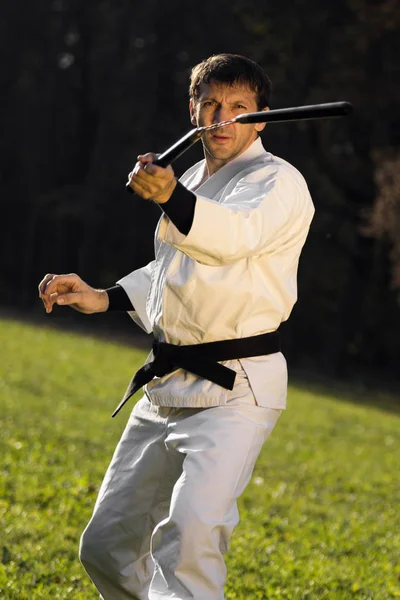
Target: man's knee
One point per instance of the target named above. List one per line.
(194, 526)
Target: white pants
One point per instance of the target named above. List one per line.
(167, 506)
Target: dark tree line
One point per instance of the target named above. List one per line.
(86, 86)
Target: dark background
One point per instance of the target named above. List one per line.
(86, 86)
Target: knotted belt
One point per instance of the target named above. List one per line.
(202, 360)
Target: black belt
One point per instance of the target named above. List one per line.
(202, 360)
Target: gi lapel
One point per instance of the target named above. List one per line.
(214, 186)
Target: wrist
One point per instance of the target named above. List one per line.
(103, 300)
(163, 198)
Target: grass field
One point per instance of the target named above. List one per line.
(320, 518)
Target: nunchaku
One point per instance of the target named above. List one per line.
(279, 115)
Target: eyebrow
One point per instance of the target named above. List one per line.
(240, 100)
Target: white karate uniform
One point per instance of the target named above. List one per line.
(167, 506)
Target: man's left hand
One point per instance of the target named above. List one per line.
(150, 181)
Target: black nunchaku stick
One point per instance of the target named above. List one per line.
(279, 115)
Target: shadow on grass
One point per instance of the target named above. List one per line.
(116, 327)
(383, 395)
(119, 328)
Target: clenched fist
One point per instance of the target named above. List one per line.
(152, 182)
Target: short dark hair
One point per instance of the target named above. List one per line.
(231, 69)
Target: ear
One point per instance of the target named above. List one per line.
(193, 118)
(260, 126)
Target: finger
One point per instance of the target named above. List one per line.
(144, 178)
(153, 186)
(151, 169)
(147, 171)
(149, 157)
(46, 305)
(48, 301)
(137, 168)
(152, 173)
(44, 281)
(58, 281)
(142, 190)
(145, 181)
(130, 175)
(165, 173)
(42, 289)
(68, 299)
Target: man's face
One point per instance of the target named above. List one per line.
(222, 102)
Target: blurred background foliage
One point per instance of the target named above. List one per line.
(86, 86)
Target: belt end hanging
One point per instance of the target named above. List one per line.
(120, 405)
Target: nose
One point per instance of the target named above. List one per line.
(222, 113)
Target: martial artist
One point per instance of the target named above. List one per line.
(222, 280)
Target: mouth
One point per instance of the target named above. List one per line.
(220, 138)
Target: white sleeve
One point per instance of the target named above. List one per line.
(255, 218)
(137, 286)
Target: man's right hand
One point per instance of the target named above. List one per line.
(71, 290)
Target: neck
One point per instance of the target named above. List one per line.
(213, 163)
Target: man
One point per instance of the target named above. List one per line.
(223, 279)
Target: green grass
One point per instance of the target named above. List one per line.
(320, 518)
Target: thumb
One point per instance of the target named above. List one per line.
(147, 158)
(68, 299)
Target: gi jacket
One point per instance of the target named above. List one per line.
(234, 274)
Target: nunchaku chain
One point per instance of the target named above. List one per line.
(215, 126)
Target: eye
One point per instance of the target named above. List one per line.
(241, 106)
(208, 103)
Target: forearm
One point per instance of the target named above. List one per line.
(252, 220)
(180, 208)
